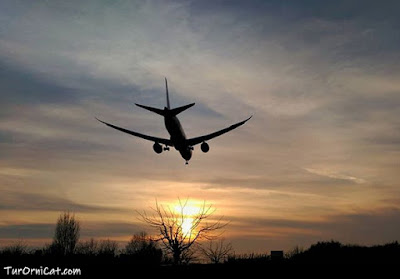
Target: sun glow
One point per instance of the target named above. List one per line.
(187, 213)
(187, 226)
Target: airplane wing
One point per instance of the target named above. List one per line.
(146, 137)
(198, 140)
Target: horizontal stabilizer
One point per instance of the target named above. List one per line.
(166, 111)
(156, 110)
(176, 111)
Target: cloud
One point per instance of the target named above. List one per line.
(363, 228)
(111, 229)
(46, 231)
(27, 231)
(18, 86)
(335, 175)
(41, 202)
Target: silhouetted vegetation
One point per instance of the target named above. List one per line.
(335, 252)
(66, 235)
(105, 257)
(248, 259)
(17, 249)
(216, 252)
(143, 249)
(89, 248)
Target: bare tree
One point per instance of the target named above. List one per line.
(66, 235)
(216, 251)
(179, 231)
(89, 247)
(107, 248)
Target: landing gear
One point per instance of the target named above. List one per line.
(187, 163)
(166, 148)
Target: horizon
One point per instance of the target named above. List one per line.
(318, 161)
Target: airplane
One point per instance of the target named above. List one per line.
(177, 134)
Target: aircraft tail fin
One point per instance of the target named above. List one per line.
(167, 111)
(166, 90)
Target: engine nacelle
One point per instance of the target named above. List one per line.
(157, 148)
(205, 147)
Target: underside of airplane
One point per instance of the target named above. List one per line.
(177, 138)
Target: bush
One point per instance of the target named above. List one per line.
(17, 249)
(141, 248)
(88, 248)
(107, 248)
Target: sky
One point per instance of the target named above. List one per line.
(319, 160)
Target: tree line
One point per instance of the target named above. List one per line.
(176, 241)
(176, 246)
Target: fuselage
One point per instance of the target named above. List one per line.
(178, 136)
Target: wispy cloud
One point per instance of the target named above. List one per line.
(335, 175)
(42, 202)
(363, 228)
(88, 230)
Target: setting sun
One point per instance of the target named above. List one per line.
(187, 210)
(187, 225)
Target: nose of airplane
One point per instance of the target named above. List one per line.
(187, 155)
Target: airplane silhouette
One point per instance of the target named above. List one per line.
(178, 138)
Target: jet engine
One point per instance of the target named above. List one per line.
(157, 148)
(205, 147)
